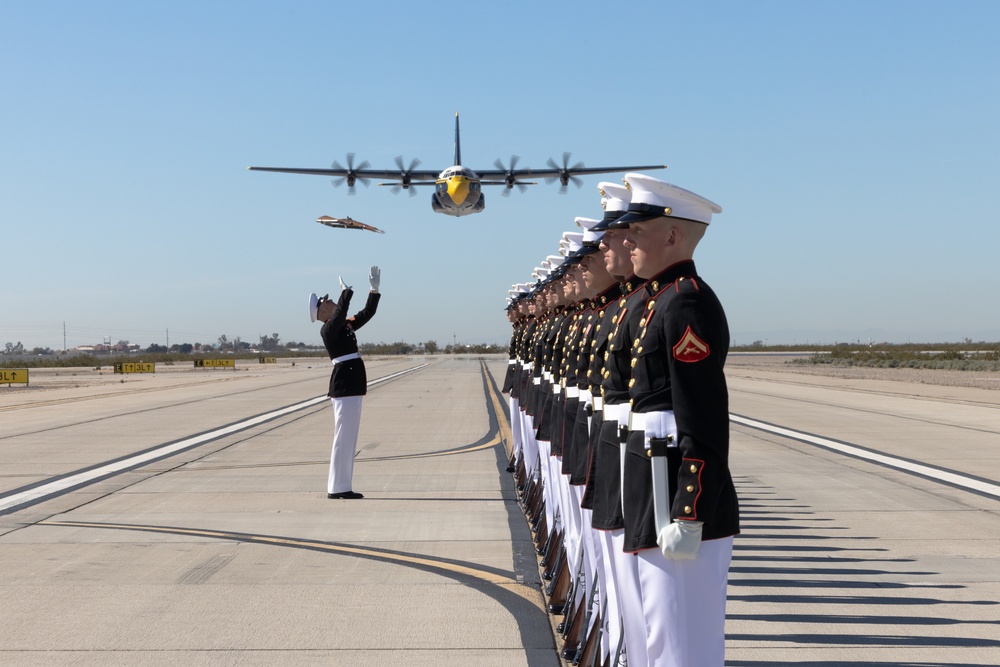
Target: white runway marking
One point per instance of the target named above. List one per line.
(946, 476)
(85, 477)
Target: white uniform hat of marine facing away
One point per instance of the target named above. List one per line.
(615, 199)
(653, 198)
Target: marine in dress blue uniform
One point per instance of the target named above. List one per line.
(348, 380)
(679, 500)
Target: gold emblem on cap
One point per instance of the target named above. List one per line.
(627, 186)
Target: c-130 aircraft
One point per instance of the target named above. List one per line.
(457, 189)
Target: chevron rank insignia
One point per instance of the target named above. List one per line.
(690, 348)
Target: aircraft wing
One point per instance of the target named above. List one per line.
(558, 172)
(512, 176)
(417, 175)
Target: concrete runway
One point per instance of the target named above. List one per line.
(181, 517)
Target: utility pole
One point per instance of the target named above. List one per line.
(64, 336)
(168, 338)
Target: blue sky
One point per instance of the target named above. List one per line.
(853, 146)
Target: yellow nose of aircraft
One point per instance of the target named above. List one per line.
(458, 189)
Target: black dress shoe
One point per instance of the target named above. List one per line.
(345, 495)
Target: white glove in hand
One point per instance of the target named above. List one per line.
(680, 540)
(343, 285)
(374, 278)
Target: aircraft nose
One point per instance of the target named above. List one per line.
(458, 190)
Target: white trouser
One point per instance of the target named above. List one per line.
(515, 430)
(346, 423)
(569, 516)
(585, 532)
(529, 445)
(684, 602)
(608, 579)
(630, 600)
(549, 494)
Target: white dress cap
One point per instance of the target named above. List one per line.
(574, 241)
(653, 198)
(616, 195)
(590, 237)
(313, 304)
(553, 261)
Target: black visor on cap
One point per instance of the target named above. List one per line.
(640, 213)
(605, 223)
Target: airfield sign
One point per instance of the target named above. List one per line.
(215, 363)
(14, 376)
(135, 367)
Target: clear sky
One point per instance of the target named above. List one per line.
(853, 145)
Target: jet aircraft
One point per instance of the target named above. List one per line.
(457, 189)
(346, 223)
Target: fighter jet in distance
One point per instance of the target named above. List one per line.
(346, 223)
(457, 189)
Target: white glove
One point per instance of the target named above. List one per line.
(343, 285)
(680, 540)
(374, 278)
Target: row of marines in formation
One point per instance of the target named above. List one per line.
(620, 428)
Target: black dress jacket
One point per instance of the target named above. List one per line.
(679, 355)
(348, 377)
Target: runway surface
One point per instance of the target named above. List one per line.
(181, 517)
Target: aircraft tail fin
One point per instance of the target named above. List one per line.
(458, 145)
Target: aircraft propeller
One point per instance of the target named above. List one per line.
(565, 173)
(404, 175)
(352, 174)
(510, 178)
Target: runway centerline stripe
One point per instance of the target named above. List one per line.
(949, 477)
(41, 491)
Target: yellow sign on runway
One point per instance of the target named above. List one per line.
(12, 375)
(215, 363)
(268, 360)
(135, 367)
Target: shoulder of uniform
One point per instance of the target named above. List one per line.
(687, 284)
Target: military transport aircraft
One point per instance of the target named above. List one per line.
(457, 189)
(346, 223)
